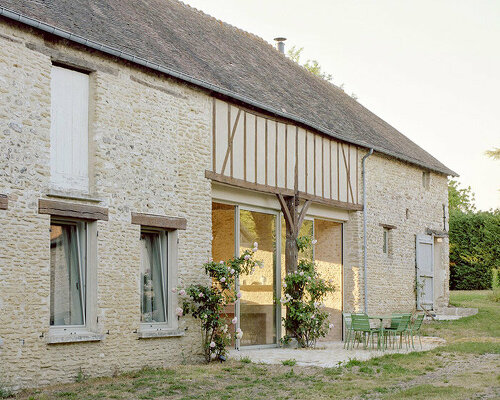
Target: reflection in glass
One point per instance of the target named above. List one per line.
(258, 309)
(223, 226)
(307, 229)
(153, 277)
(67, 273)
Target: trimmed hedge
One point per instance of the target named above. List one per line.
(474, 249)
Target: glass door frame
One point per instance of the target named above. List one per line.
(277, 270)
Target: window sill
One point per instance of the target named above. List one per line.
(74, 338)
(73, 195)
(151, 334)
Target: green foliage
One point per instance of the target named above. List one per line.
(207, 302)
(495, 295)
(495, 153)
(312, 66)
(289, 363)
(495, 278)
(304, 289)
(5, 393)
(460, 199)
(474, 249)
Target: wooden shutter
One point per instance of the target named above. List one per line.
(69, 129)
(425, 271)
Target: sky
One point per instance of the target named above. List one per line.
(430, 68)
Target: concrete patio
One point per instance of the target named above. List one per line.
(326, 354)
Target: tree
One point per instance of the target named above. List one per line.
(495, 153)
(460, 199)
(312, 66)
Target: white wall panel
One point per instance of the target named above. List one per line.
(271, 153)
(280, 163)
(261, 151)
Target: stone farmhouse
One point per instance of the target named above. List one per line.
(139, 139)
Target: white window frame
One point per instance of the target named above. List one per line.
(169, 239)
(87, 331)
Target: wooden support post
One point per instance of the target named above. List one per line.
(293, 222)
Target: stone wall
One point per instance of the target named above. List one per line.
(397, 197)
(150, 145)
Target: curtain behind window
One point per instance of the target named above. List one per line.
(152, 278)
(66, 295)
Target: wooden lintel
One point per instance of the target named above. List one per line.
(246, 185)
(330, 202)
(285, 192)
(73, 210)
(388, 226)
(159, 221)
(4, 202)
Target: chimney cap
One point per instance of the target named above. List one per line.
(280, 39)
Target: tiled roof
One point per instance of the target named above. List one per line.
(218, 56)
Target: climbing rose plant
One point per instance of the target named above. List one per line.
(304, 293)
(207, 302)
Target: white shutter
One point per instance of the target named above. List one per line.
(425, 271)
(69, 147)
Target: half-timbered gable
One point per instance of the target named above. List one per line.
(269, 154)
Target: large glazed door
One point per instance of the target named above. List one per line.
(425, 271)
(257, 303)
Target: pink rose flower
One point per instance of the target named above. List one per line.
(179, 312)
(223, 279)
(331, 326)
(212, 344)
(182, 292)
(234, 321)
(200, 295)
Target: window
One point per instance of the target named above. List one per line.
(385, 247)
(154, 276)
(68, 273)
(69, 142)
(426, 179)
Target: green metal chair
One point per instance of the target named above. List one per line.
(415, 329)
(400, 327)
(363, 331)
(348, 328)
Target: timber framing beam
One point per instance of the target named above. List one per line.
(284, 192)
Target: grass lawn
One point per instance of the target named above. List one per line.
(467, 367)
